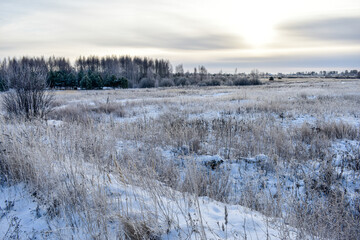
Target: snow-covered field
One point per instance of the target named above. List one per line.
(277, 161)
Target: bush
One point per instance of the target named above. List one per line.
(213, 82)
(246, 81)
(241, 82)
(147, 83)
(229, 82)
(28, 97)
(130, 84)
(271, 79)
(255, 82)
(202, 84)
(2, 85)
(182, 81)
(166, 82)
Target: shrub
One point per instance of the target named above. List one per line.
(28, 97)
(147, 83)
(229, 82)
(166, 82)
(130, 84)
(213, 82)
(246, 81)
(182, 81)
(241, 81)
(2, 85)
(3, 80)
(192, 81)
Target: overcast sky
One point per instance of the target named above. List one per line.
(273, 36)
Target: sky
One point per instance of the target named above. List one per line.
(271, 36)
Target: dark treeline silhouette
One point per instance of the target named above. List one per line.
(115, 72)
(95, 72)
(88, 72)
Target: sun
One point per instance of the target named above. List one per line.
(258, 32)
(255, 22)
(258, 36)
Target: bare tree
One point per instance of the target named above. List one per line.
(27, 96)
(254, 75)
(179, 70)
(203, 73)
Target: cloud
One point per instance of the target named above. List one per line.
(347, 60)
(114, 24)
(340, 29)
(285, 64)
(185, 31)
(170, 40)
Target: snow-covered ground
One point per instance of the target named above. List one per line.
(213, 186)
(182, 216)
(21, 217)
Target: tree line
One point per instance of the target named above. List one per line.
(28, 78)
(88, 72)
(95, 72)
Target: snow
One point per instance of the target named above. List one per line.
(20, 214)
(182, 215)
(192, 218)
(240, 223)
(192, 214)
(55, 123)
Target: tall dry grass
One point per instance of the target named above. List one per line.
(121, 136)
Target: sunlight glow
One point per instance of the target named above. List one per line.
(258, 34)
(188, 31)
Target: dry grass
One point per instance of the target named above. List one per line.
(294, 123)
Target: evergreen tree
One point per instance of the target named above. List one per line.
(86, 83)
(99, 82)
(96, 81)
(113, 81)
(124, 83)
(71, 80)
(60, 79)
(80, 76)
(51, 79)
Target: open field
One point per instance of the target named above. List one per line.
(275, 161)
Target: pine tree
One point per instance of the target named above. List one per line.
(124, 83)
(71, 80)
(51, 79)
(86, 82)
(113, 81)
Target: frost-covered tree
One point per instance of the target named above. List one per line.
(179, 70)
(27, 96)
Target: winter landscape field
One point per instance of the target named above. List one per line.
(275, 161)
